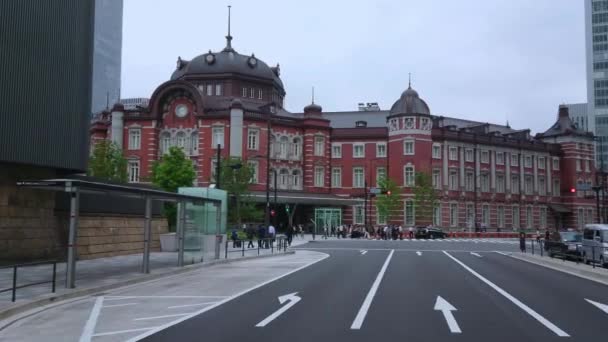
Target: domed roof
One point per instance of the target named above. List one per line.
(313, 107)
(227, 61)
(410, 103)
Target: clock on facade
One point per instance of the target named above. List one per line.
(181, 110)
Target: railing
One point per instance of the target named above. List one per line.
(14, 288)
(238, 246)
(588, 254)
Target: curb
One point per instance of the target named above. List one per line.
(565, 268)
(53, 298)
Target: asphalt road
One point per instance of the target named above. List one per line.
(407, 290)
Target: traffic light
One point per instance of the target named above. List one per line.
(572, 190)
(273, 213)
(386, 192)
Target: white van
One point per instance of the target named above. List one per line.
(595, 244)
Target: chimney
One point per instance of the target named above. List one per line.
(562, 112)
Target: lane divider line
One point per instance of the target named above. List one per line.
(476, 254)
(117, 305)
(419, 253)
(164, 316)
(89, 328)
(542, 320)
(189, 305)
(121, 331)
(177, 321)
(358, 322)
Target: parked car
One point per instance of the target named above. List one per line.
(567, 244)
(595, 244)
(429, 233)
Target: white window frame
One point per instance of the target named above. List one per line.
(437, 215)
(556, 188)
(578, 165)
(134, 138)
(134, 171)
(165, 142)
(485, 157)
(358, 180)
(409, 218)
(252, 93)
(453, 153)
(541, 161)
(587, 165)
(529, 217)
(194, 143)
(515, 217)
(361, 148)
(253, 138)
(543, 217)
(485, 215)
(182, 141)
(296, 179)
(469, 155)
(244, 93)
(336, 177)
(409, 180)
(453, 214)
(469, 181)
(436, 179)
(500, 216)
(436, 152)
(555, 164)
(217, 133)
(319, 147)
(380, 219)
(409, 147)
(514, 159)
(500, 158)
(319, 176)
(378, 173)
(484, 182)
(542, 186)
(209, 89)
(260, 94)
(453, 180)
(515, 186)
(254, 165)
(500, 183)
(381, 150)
(296, 147)
(528, 184)
(358, 214)
(527, 160)
(336, 148)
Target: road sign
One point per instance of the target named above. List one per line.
(375, 191)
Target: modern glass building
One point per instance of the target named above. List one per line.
(107, 54)
(596, 40)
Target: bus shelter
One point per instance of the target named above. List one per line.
(76, 186)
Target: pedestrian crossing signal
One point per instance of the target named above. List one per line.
(273, 213)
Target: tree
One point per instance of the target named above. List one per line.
(389, 201)
(425, 198)
(107, 162)
(173, 171)
(235, 177)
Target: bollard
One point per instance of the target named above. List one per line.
(14, 283)
(540, 242)
(593, 256)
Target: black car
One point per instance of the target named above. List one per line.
(565, 244)
(429, 233)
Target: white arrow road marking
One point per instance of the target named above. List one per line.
(600, 306)
(358, 322)
(542, 320)
(363, 251)
(419, 253)
(446, 309)
(475, 254)
(502, 253)
(292, 298)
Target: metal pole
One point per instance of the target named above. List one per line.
(267, 212)
(14, 297)
(218, 167)
(54, 275)
(218, 223)
(147, 231)
(70, 278)
(181, 218)
(274, 205)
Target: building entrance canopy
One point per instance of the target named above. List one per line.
(77, 185)
(305, 198)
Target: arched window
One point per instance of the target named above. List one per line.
(165, 142)
(296, 148)
(283, 142)
(180, 140)
(283, 179)
(194, 143)
(297, 179)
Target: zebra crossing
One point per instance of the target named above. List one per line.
(484, 240)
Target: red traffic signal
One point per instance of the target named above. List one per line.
(572, 190)
(388, 193)
(273, 213)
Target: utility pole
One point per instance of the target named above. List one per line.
(217, 167)
(365, 205)
(267, 211)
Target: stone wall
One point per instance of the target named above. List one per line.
(28, 227)
(105, 236)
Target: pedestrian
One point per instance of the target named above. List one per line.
(411, 232)
(522, 242)
(271, 234)
(400, 229)
(234, 236)
(313, 230)
(289, 234)
(301, 231)
(261, 236)
(325, 232)
(250, 233)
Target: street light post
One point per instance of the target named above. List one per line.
(267, 212)
(217, 167)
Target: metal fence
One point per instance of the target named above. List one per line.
(15, 267)
(275, 245)
(578, 252)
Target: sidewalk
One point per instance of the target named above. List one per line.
(99, 275)
(582, 270)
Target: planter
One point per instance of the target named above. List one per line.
(168, 242)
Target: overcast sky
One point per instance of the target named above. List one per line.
(485, 60)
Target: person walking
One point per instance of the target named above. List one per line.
(271, 234)
(261, 235)
(250, 233)
(411, 232)
(325, 232)
(522, 242)
(289, 234)
(234, 237)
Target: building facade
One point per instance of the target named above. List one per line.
(107, 54)
(324, 163)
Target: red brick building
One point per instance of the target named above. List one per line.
(491, 174)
